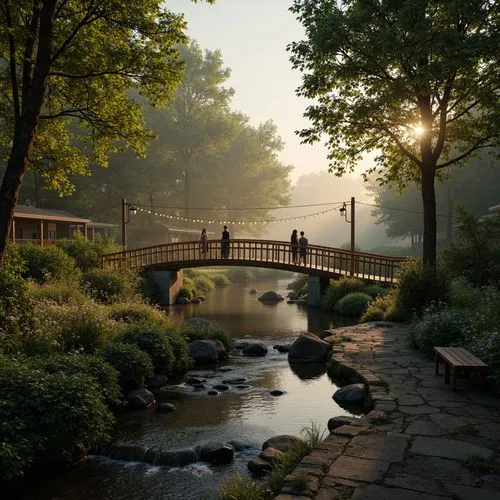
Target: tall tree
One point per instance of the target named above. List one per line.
(416, 81)
(65, 60)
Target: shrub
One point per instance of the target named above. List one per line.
(353, 304)
(236, 487)
(203, 282)
(339, 289)
(188, 288)
(438, 327)
(15, 303)
(105, 376)
(149, 288)
(208, 332)
(417, 287)
(46, 413)
(133, 312)
(474, 252)
(110, 285)
(48, 262)
(132, 364)
(375, 291)
(87, 254)
(221, 280)
(240, 275)
(60, 292)
(154, 340)
(74, 326)
(298, 284)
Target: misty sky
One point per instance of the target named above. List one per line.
(252, 36)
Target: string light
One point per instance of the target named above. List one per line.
(240, 222)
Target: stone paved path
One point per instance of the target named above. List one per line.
(422, 441)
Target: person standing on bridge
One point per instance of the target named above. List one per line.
(303, 242)
(224, 244)
(204, 242)
(294, 242)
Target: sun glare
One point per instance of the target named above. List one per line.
(418, 130)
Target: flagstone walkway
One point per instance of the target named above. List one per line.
(422, 441)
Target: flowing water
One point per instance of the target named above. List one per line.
(248, 415)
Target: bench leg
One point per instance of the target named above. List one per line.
(447, 373)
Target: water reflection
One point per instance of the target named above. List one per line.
(308, 371)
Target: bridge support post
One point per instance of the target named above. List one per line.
(316, 287)
(169, 284)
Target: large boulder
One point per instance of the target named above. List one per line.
(308, 348)
(207, 351)
(272, 455)
(259, 467)
(353, 394)
(270, 296)
(254, 349)
(216, 453)
(283, 443)
(140, 399)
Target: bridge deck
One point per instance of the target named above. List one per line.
(320, 260)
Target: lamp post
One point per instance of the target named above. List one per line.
(343, 213)
(127, 210)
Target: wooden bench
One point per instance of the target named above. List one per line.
(457, 361)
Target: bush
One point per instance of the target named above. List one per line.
(208, 332)
(339, 289)
(384, 308)
(105, 376)
(221, 280)
(188, 288)
(149, 288)
(48, 262)
(353, 304)
(417, 287)
(154, 340)
(60, 292)
(438, 327)
(203, 282)
(73, 326)
(87, 254)
(474, 252)
(110, 285)
(375, 291)
(15, 303)
(132, 364)
(240, 275)
(46, 413)
(133, 312)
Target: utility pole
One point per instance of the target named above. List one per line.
(353, 234)
(124, 221)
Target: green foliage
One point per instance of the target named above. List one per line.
(46, 412)
(221, 280)
(73, 326)
(474, 252)
(353, 304)
(241, 275)
(375, 291)
(87, 254)
(133, 312)
(132, 364)
(203, 282)
(48, 262)
(338, 289)
(237, 487)
(438, 327)
(110, 285)
(104, 375)
(209, 332)
(15, 303)
(188, 288)
(299, 285)
(418, 287)
(167, 350)
(60, 292)
(149, 289)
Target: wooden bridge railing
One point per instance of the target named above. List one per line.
(327, 260)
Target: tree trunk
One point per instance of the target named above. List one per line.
(26, 125)
(429, 203)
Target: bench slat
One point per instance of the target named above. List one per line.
(460, 357)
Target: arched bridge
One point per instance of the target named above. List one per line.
(321, 261)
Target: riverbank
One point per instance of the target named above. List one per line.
(422, 441)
